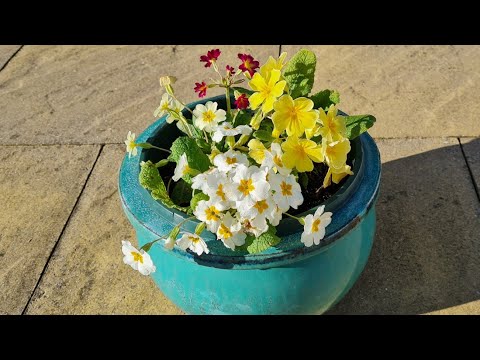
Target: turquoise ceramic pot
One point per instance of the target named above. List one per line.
(288, 279)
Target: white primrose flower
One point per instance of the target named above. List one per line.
(165, 105)
(260, 210)
(249, 186)
(229, 160)
(210, 213)
(255, 226)
(182, 168)
(199, 182)
(131, 145)
(287, 191)
(314, 228)
(230, 232)
(169, 243)
(276, 216)
(273, 160)
(138, 260)
(194, 243)
(217, 183)
(207, 116)
(227, 129)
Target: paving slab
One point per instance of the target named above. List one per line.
(414, 91)
(95, 94)
(39, 186)
(6, 52)
(471, 147)
(86, 274)
(426, 255)
(471, 308)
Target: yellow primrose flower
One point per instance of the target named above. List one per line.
(336, 175)
(272, 64)
(333, 128)
(267, 90)
(294, 115)
(257, 150)
(299, 153)
(336, 152)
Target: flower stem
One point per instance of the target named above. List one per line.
(150, 146)
(300, 220)
(227, 94)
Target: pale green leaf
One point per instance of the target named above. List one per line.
(299, 73)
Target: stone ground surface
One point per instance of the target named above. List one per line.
(65, 113)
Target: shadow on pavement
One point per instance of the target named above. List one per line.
(426, 254)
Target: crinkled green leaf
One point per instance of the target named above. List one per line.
(358, 124)
(196, 198)
(255, 245)
(181, 193)
(299, 73)
(150, 179)
(195, 156)
(323, 99)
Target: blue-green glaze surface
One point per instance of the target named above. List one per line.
(287, 279)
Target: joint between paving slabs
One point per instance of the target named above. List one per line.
(11, 57)
(472, 179)
(63, 230)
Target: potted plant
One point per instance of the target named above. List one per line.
(257, 202)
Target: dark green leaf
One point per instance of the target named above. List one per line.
(263, 135)
(325, 98)
(181, 193)
(358, 124)
(243, 118)
(242, 90)
(299, 73)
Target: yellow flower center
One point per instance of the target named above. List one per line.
(193, 239)
(186, 170)
(208, 116)
(137, 257)
(286, 189)
(261, 206)
(165, 106)
(278, 161)
(231, 160)
(220, 193)
(212, 213)
(246, 187)
(315, 225)
(224, 232)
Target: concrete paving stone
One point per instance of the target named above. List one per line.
(96, 94)
(39, 186)
(471, 308)
(426, 255)
(413, 91)
(86, 274)
(471, 147)
(6, 52)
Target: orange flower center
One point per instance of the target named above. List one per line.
(315, 225)
(220, 193)
(246, 186)
(212, 213)
(231, 160)
(286, 189)
(261, 206)
(224, 232)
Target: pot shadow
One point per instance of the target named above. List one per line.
(426, 253)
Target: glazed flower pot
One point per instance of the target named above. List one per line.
(287, 279)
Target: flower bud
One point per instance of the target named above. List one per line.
(200, 227)
(167, 80)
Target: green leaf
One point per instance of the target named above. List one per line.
(150, 179)
(263, 135)
(358, 124)
(256, 245)
(195, 156)
(243, 118)
(181, 193)
(242, 90)
(325, 98)
(299, 73)
(196, 198)
(202, 144)
(303, 180)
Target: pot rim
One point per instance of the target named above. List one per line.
(356, 196)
